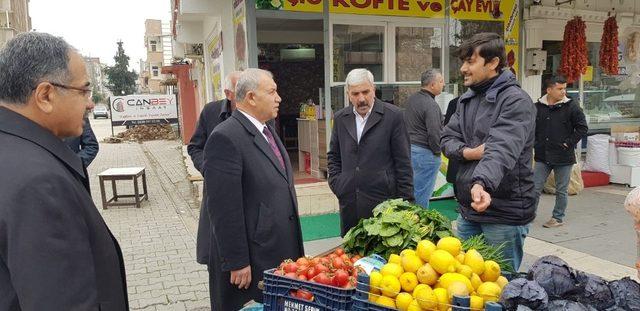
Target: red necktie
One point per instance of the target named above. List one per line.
(274, 147)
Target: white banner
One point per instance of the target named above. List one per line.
(143, 109)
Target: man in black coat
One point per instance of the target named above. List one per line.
(56, 252)
(86, 145)
(212, 114)
(492, 133)
(560, 124)
(369, 156)
(251, 197)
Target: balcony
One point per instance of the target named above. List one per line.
(196, 10)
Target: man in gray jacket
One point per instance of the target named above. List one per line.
(424, 124)
(492, 134)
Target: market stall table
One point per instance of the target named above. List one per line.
(123, 173)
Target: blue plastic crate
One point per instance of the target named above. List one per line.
(277, 295)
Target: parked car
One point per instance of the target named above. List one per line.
(100, 112)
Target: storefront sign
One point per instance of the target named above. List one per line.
(143, 109)
(240, 34)
(214, 64)
(414, 8)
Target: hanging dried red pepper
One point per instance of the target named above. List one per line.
(574, 50)
(609, 47)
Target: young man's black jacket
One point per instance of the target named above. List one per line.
(559, 128)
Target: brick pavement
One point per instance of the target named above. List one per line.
(157, 240)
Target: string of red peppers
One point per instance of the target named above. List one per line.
(609, 47)
(574, 50)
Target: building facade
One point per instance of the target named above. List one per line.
(14, 19)
(157, 41)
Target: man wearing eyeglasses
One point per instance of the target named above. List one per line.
(56, 252)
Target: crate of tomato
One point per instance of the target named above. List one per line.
(320, 283)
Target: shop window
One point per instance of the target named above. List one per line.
(155, 71)
(417, 49)
(459, 31)
(358, 46)
(153, 45)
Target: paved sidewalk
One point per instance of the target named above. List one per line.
(157, 240)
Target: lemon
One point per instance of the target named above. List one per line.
(502, 281)
(474, 260)
(426, 275)
(373, 297)
(477, 303)
(392, 269)
(411, 263)
(489, 291)
(408, 281)
(424, 249)
(403, 300)
(414, 306)
(386, 301)
(465, 270)
(442, 261)
(419, 288)
(395, 258)
(491, 271)
(460, 257)
(390, 286)
(426, 299)
(375, 278)
(457, 288)
(448, 278)
(443, 298)
(450, 244)
(475, 281)
(408, 251)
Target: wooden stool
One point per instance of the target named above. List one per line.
(123, 173)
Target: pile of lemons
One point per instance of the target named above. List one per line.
(428, 277)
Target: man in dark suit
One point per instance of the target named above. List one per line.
(212, 114)
(369, 155)
(86, 145)
(56, 252)
(251, 197)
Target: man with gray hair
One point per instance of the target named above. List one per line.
(251, 197)
(424, 123)
(368, 157)
(56, 252)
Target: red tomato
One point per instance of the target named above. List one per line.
(351, 284)
(340, 278)
(311, 272)
(302, 269)
(290, 267)
(325, 261)
(278, 272)
(292, 275)
(337, 263)
(323, 278)
(315, 261)
(321, 268)
(303, 294)
(339, 251)
(302, 261)
(302, 277)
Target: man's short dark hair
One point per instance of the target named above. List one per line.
(489, 45)
(553, 81)
(29, 59)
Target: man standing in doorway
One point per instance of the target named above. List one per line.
(212, 114)
(251, 198)
(492, 134)
(424, 124)
(560, 124)
(369, 156)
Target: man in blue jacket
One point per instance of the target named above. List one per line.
(492, 134)
(86, 145)
(560, 124)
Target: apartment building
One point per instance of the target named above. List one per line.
(14, 19)
(157, 40)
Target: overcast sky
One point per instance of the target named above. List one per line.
(94, 26)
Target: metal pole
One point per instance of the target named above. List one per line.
(328, 72)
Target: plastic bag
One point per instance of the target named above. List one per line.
(555, 276)
(567, 305)
(576, 184)
(598, 154)
(594, 291)
(626, 293)
(522, 292)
